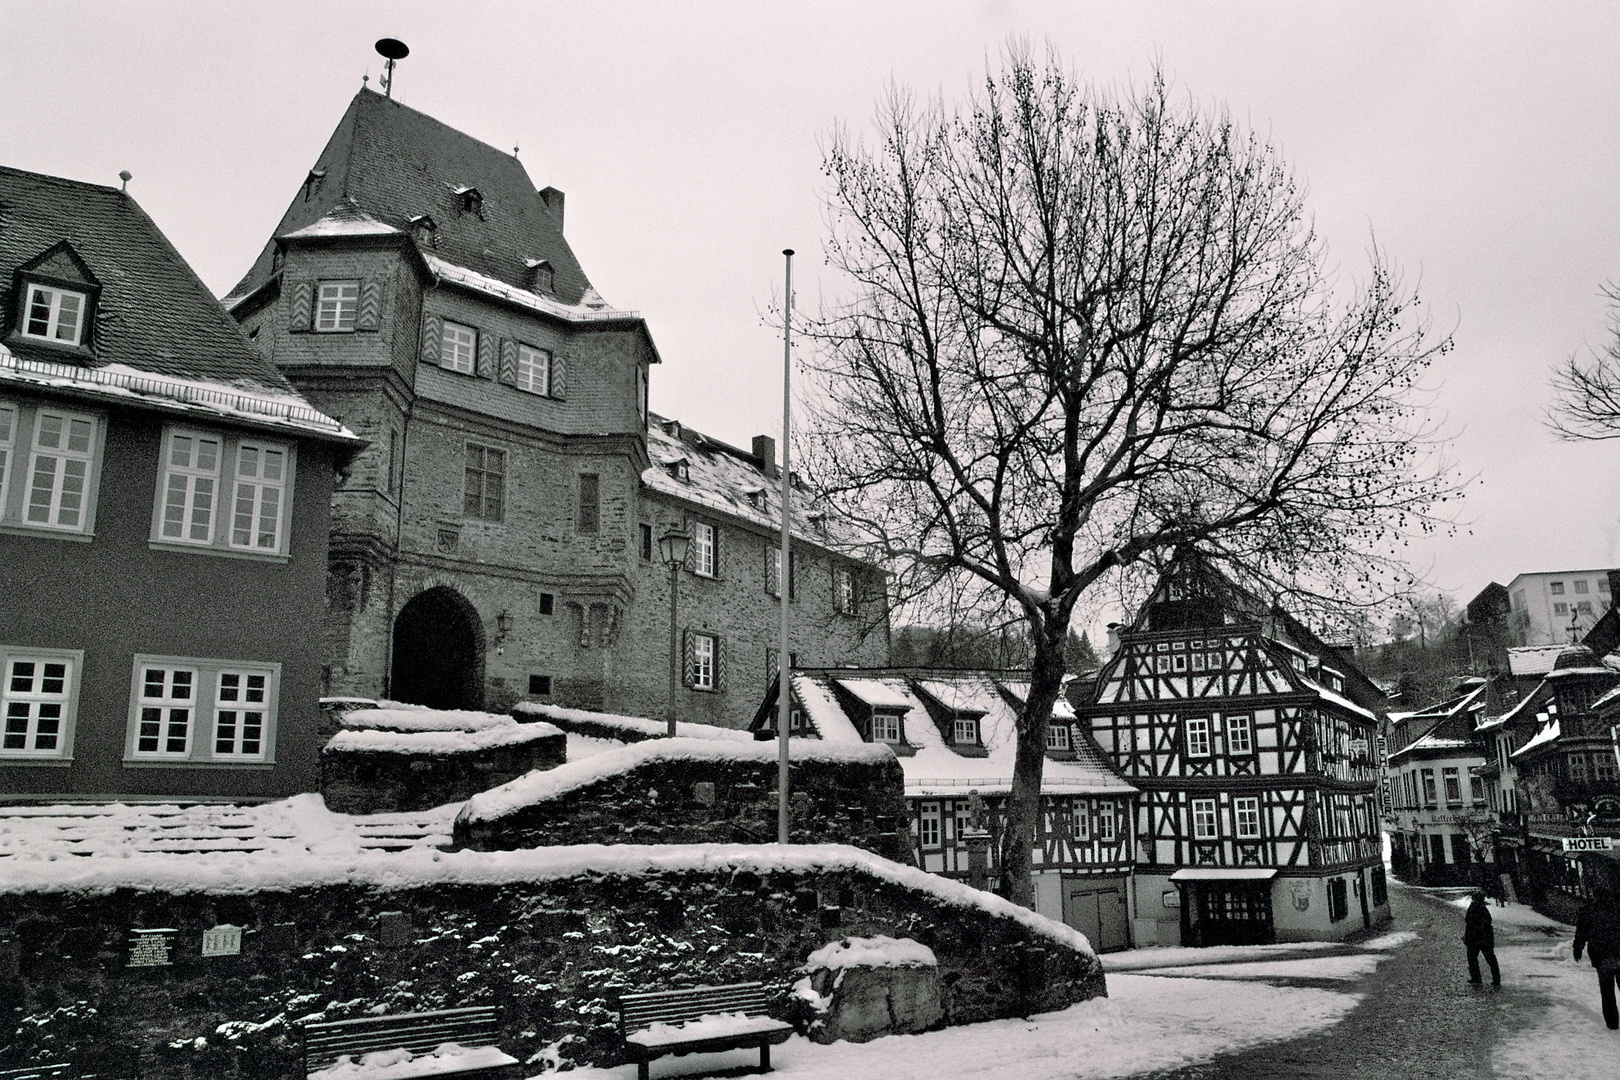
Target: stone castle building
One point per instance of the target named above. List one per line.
(498, 539)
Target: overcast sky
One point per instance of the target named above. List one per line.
(1478, 142)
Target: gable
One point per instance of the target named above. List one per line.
(60, 263)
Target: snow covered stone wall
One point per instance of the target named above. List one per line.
(387, 760)
(690, 791)
(626, 729)
(201, 967)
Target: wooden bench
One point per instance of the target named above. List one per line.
(420, 1033)
(663, 1022)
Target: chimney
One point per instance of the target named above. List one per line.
(765, 451)
(554, 203)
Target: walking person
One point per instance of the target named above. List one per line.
(1597, 929)
(1479, 937)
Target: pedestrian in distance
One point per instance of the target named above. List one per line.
(1597, 930)
(1479, 937)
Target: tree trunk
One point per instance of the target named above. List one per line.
(1024, 803)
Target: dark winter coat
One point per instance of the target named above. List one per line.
(1597, 929)
(1477, 931)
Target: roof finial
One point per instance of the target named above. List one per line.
(514, 151)
(365, 80)
(391, 49)
(126, 176)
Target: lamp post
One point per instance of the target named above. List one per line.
(672, 547)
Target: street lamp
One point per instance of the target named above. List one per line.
(672, 547)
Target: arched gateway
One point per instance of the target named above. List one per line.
(438, 652)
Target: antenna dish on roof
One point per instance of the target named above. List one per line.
(391, 49)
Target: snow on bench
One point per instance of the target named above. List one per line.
(703, 1019)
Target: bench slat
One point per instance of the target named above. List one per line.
(328, 1041)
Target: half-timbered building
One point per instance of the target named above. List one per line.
(955, 735)
(1251, 742)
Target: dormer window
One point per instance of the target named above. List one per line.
(423, 227)
(966, 731)
(55, 315)
(1057, 737)
(470, 200)
(679, 470)
(541, 275)
(885, 727)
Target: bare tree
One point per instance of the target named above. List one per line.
(1588, 388)
(1087, 329)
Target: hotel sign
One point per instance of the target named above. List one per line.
(1588, 843)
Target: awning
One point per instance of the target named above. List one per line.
(1223, 874)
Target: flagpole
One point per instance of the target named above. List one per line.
(784, 574)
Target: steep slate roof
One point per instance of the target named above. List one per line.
(733, 481)
(391, 163)
(936, 768)
(154, 314)
(1533, 659)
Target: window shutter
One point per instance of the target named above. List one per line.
(486, 355)
(719, 663)
(559, 378)
(369, 317)
(432, 335)
(773, 570)
(508, 373)
(301, 307)
(688, 658)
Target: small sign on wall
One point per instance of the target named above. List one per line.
(1171, 898)
(222, 940)
(151, 948)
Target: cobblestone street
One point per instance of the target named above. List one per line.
(1419, 1017)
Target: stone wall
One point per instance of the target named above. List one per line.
(688, 791)
(550, 953)
(371, 780)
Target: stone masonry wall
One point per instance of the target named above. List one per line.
(696, 802)
(551, 955)
(374, 782)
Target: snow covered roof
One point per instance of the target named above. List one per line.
(937, 767)
(592, 307)
(344, 219)
(1328, 694)
(536, 787)
(157, 335)
(241, 399)
(1434, 744)
(730, 480)
(1549, 733)
(1533, 659)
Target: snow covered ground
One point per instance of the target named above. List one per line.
(1146, 1024)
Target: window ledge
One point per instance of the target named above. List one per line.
(218, 552)
(36, 762)
(180, 763)
(43, 531)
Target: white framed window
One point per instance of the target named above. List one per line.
(337, 306)
(261, 486)
(886, 727)
(966, 732)
(1081, 821)
(703, 651)
(458, 348)
(190, 486)
(54, 315)
(1560, 609)
(843, 591)
(533, 370)
(38, 702)
(196, 711)
(1198, 736)
(1246, 818)
(1057, 736)
(1203, 819)
(60, 470)
(1582, 586)
(1453, 782)
(241, 709)
(703, 549)
(167, 710)
(929, 820)
(1429, 798)
(1557, 588)
(1239, 735)
(1105, 822)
